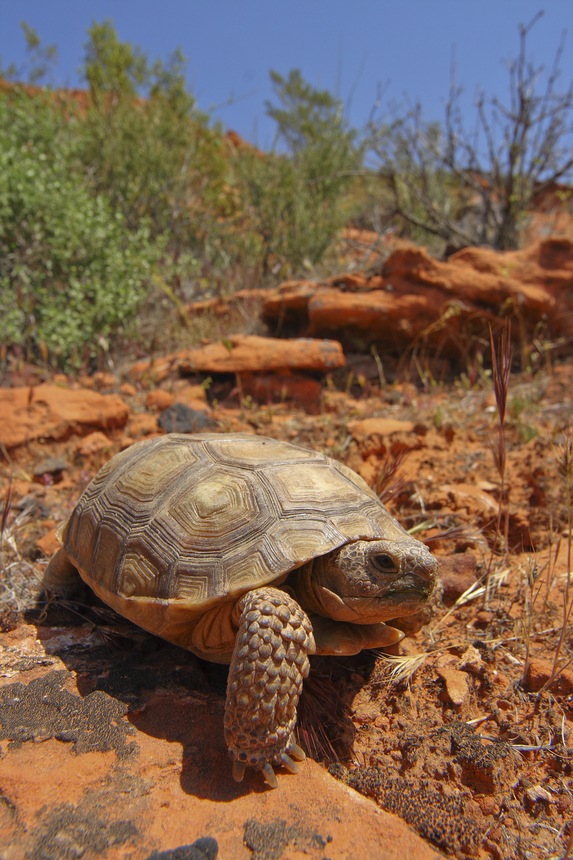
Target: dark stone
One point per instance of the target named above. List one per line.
(68, 832)
(268, 839)
(180, 418)
(205, 848)
(43, 709)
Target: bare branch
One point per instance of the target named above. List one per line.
(515, 148)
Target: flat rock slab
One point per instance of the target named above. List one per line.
(87, 775)
(51, 412)
(250, 353)
(415, 299)
(246, 354)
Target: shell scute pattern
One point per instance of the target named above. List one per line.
(241, 451)
(196, 518)
(216, 509)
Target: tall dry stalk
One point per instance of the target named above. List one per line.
(501, 368)
(4, 520)
(389, 482)
(565, 466)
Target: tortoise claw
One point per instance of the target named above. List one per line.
(270, 776)
(238, 770)
(296, 752)
(288, 760)
(290, 765)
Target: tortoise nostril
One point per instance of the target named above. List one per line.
(426, 571)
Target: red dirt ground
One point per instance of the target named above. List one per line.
(470, 749)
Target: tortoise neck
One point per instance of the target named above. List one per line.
(301, 585)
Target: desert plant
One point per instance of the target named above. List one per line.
(39, 59)
(293, 195)
(293, 220)
(501, 356)
(157, 158)
(474, 187)
(71, 273)
(144, 143)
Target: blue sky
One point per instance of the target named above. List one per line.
(350, 48)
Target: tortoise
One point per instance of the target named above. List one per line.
(249, 551)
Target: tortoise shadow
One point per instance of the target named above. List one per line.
(169, 693)
(172, 695)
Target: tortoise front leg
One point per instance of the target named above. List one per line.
(269, 664)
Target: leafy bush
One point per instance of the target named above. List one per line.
(71, 273)
(101, 191)
(146, 146)
(293, 220)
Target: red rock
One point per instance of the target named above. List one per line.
(177, 786)
(128, 389)
(159, 399)
(378, 315)
(418, 298)
(470, 498)
(248, 353)
(52, 412)
(288, 305)
(244, 354)
(153, 370)
(186, 392)
(293, 388)
(103, 379)
(538, 673)
(352, 283)
(367, 427)
(224, 306)
(49, 543)
(458, 572)
(142, 424)
(94, 443)
(456, 682)
(482, 619)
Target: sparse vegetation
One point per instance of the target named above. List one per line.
(205, 216)
(473, 186)
(294, 195)
(147, 195)
(501, 369)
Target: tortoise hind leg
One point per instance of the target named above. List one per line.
(61, 577)
(269, 664)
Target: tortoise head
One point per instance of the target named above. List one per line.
(371, 581)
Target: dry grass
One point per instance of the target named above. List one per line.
(565, 466)
(501, 356)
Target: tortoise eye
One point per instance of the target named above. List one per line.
(384, 562)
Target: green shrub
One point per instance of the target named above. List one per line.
(71, 273)
(128, 193)
(144, 144)
(293, 220)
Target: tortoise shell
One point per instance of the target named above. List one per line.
(193, 520)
